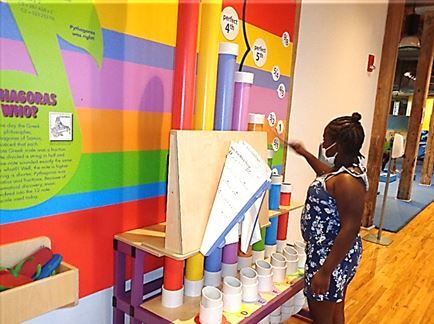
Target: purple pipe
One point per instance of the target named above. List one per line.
(240, 113)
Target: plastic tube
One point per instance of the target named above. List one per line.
(240, 113)
(225, 86)
(271, 232)
(260, 245)
(213, 262)
(207, 64)
(173, 273)
(274, 198)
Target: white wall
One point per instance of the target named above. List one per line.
(330, 79)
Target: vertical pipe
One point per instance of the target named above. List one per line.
(182, 118)
(282, 226)
(173, 272)
(223, 121)
(243, 83)
(185, 64)
(225, 86)
(204, 110)
(240, 113)
(274, 204)
(207, 64)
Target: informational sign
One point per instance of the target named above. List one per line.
(229, 23)
(39, 135)
(281, 91)
(272, 119)
(276, 144)
(259, 52)
(275, 73)
(280, 127)
(285, 39)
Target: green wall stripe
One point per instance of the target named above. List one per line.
(98, 171)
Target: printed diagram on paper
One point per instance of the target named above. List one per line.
(240, 192)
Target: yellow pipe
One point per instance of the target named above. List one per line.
(205, 93)
(207, 64)
(194, 268)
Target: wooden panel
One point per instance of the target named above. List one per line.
(201, 156)
(421, 86)
(392, 35)
(173, 201)
(11, 254)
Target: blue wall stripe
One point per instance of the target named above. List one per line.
(129, 48)
(265, 80)
(80, 201)
(117, 46)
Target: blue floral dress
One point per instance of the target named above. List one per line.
(320, 224)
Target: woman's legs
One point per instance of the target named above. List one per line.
(322, 312)
(339, 314)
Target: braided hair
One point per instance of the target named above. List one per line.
(347, 132)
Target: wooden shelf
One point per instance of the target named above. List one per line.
(151, 238)
(190, 309)
(38, 297)
(285, 209)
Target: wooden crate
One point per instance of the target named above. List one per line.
(38, 297)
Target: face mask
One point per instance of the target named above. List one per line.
(330, 160)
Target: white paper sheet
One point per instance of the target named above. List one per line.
(244, 173)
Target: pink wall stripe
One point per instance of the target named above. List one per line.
(14, 56)
(265, 100)
(117, 85)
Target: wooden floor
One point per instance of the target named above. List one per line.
(395, 284)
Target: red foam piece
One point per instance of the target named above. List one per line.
(42, 256)
(8, 280)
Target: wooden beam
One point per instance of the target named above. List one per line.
(428, 160)
(392, 36)
(421, 86)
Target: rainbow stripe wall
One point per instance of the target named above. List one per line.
(124, 112)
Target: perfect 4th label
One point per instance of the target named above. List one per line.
(20, 103)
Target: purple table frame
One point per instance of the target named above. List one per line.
(128, 302)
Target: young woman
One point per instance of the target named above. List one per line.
(330, 221)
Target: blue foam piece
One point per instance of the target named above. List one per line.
(49, 267)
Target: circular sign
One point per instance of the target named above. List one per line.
(272, 119)
(280, 127)
(275, 73)
(259, 52)
(281, 91)
(285, 39)
(276, 144)
(229, 23)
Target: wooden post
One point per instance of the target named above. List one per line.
(421, 85)
(392, 36)
(428, 161)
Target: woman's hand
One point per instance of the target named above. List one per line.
(320, 283)
(298, 147)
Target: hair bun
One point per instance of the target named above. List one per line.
(355, 117)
